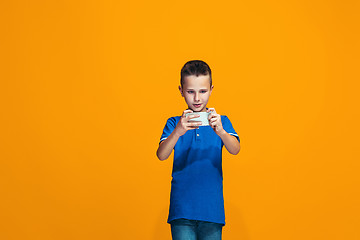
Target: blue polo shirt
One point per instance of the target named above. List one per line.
(197, 181)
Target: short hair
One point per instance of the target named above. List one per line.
(195, 67)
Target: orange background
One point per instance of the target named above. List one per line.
(87, 86)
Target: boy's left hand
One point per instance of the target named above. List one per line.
(215, 120)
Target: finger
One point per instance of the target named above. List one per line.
(193, 116)
(193, 124)
(212, 115)
(213, 120)
(211, 110)
(187, 111)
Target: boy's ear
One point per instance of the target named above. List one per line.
(211, 88)
(180, 89)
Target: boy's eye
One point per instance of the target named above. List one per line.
(190, 91)
(203, 91)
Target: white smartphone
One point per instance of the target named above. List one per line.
(203, 117)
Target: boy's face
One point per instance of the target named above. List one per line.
(196, 91)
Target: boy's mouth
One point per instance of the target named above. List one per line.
(197, 105)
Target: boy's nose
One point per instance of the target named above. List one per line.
(197, 97)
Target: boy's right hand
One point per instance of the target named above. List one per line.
(184, 124)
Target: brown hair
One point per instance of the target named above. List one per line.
(195, 67)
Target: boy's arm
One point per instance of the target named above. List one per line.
(166, 146)
(231, 143)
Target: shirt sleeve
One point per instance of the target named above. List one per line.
(228, 127)
(168, 129)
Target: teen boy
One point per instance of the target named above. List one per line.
(196, 200)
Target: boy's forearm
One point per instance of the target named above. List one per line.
(167, 146)
(230, 142)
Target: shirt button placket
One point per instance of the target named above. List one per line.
(197, 134)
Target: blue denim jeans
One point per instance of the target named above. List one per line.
(184, 229)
